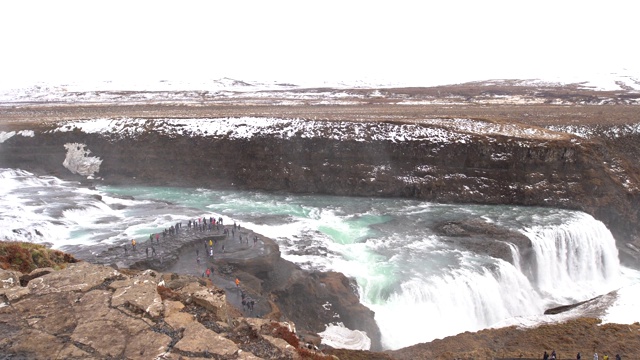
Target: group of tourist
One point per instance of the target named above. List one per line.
(200, 224)
(553, 356)
(247, 302)
(203, 224)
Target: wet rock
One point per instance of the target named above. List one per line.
(481, 237)
(304, 300)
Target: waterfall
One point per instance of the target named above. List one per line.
(469, 298)
(515, 254)
(575, 260)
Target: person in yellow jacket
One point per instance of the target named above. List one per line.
(133, 243)
(237, 282)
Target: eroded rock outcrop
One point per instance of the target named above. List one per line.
(91, 311)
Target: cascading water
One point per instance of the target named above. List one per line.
(420, 285)
(574, 260)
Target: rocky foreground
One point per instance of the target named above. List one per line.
(92, 311)
(84, 311)
(79, 310)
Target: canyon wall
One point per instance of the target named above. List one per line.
(545, 169)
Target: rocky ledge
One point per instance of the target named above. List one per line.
(281, 289)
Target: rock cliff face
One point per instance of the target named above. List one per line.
(443, 160)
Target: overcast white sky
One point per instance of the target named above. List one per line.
(414, 42)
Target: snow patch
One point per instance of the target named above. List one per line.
(341, 337)
(587, 132)
(248, 127)
(4, 136)
(79, 162)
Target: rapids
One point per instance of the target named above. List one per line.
(419, 286)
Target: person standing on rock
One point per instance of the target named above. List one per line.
(595, 356)
(125, 249)
(208, 272)
(578, 357)
(237, 282)
(133, 244)
(147, 250)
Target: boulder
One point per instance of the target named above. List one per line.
(174, 317)
(286, 348)
(9, 278)
(81, 276)
(15, 293)
(139, 292)
(304, 301)
(212, 300)
(198, 339)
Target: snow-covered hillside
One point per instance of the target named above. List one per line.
(608, 89)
